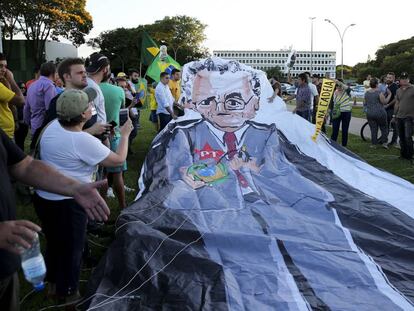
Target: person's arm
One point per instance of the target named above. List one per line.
(42, 176)
(396, 108)
(118, 158)
(50, 93)
(167, 102)
(384, 100)
(97, 129)
(18, 99)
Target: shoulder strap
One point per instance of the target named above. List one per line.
(36, 151)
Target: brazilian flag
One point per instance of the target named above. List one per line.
(161, 65)
(149, 49)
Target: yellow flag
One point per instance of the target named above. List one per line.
(327, 90)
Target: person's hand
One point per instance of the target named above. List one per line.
(174, 116)
(99, 128)
(393, 121)
(127, 128)
(252, 165)
(16, 235)
(9, 75)
(236, 163)
(189, 180)
(89, 198)
(270, 99)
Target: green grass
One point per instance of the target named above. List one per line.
(381, 158)
(357, 112)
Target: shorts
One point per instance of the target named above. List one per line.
(153, 116)
(114, 141)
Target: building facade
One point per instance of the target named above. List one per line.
(323, 62)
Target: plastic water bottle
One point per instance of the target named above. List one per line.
(33, 265)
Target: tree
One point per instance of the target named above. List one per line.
(182, 35)
(39, 21)
(121, 45)
(396, 57)
(274, 72)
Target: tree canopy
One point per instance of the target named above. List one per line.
(396, 57)
(39, 21)
(183, 35)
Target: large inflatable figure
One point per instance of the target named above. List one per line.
(240, 210)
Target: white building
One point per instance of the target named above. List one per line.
(323, 62)
(59, 50)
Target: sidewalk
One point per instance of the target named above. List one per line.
(354, 127)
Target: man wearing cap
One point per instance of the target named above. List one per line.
(404, 115)
(98, 69)
(78, 155)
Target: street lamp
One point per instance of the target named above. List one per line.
(311, 61)
(341, 36)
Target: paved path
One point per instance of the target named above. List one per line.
(354, 127)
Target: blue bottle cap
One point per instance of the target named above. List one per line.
(39, 287)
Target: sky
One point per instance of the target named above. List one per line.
(270, 25)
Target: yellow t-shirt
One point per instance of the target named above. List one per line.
(6, 116)
(175, 89)
(151, 97)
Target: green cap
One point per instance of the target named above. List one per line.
(72, 103)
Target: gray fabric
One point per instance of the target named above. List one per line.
(374, 107)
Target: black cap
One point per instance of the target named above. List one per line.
(96, 62)
(315, 75)
(404, 75)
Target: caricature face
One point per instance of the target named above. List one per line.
(225, 100)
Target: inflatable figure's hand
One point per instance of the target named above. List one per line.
(189, 180)
(236, 163)
(252, 165)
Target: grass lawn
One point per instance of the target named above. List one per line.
(381, 158)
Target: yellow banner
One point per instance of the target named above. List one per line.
(327, 90)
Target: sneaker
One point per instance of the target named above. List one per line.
(385, 145)
(127, 189)
(373, 146)
(110, 193)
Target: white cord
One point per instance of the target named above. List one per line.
(27, 295)
(146, 263)
(97, 244)
(140, 221)
(105, 302)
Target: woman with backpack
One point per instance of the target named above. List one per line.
(341, 111)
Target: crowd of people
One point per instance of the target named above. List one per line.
(388, 104)
(83, 120)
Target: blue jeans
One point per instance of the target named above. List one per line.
(345, 118)
(405, 132)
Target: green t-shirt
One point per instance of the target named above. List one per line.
(114, 100)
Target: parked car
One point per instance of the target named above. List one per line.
(358, 91)
(291, 90)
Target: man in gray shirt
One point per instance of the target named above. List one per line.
(404, 115)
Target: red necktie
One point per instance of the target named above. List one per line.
(230, 141)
